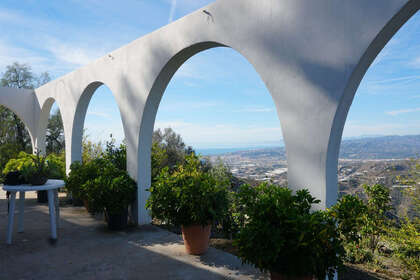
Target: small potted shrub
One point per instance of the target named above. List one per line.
(29, 169)
(78, 176)
(190, 198)
(111, 192)
(281, 234)
(36, 173)
(13, 169)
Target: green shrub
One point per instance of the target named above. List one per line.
(281, 234)
(376, 222)
(116, 155)
(82, 173)
(35, 169)
(406, 245)
(349, 213)
(57, 166)
(356, 253)
(17, 164)
(113, 190)
(8, 151)
(188, 196)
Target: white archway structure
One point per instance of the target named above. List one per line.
(311, 55)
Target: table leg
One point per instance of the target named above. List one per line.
(21, 210)
(11, 214)
(52, 214)
(57, 208)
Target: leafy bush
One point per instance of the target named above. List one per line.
(116, 155)
(8, 151)
(406, 242)
(376, 221)
(356, 253)
(37, 171)
(349, 213)
(281, 234)
(57, 166)
(82, 173)
(188, 196)
(113, 190)
(17, 164)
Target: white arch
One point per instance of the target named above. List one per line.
(150, 112)
(311, 56)
(43, 123)
(346, 100)
(24, 104)
(80, 116)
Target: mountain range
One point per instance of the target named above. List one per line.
(381, 147)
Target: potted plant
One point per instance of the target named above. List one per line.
(13, 169)
(281, 234)
(190, 198)
(36, 173)
(111, 192)
(78, 176)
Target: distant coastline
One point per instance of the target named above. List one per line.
(222, 151)
(367, 147)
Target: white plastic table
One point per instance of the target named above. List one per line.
(51, 187)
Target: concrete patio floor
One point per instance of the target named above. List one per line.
(87, 250)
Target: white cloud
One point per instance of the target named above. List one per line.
(397, 80)
(190, 70)
(172, 11)
(403, 111)
(10, 54)
(415, 62)
(73, 54)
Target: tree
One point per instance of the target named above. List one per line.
(90, 149)
(13, 135)
(13, 129)
(18, 76)
(55, 134)
(376, 221)
(173, 145)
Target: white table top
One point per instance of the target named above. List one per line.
(50, 185)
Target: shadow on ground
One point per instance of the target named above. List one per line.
(86, 249)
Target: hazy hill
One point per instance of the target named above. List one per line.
(384, 147)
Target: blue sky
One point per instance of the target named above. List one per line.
(216, 99)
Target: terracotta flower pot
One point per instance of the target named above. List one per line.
(279, 276)
(196, 238)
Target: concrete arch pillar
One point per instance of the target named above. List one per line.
(24, 103)
(352, 83)
(42, 126)
(75, 139)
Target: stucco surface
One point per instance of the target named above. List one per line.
(311, 55)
